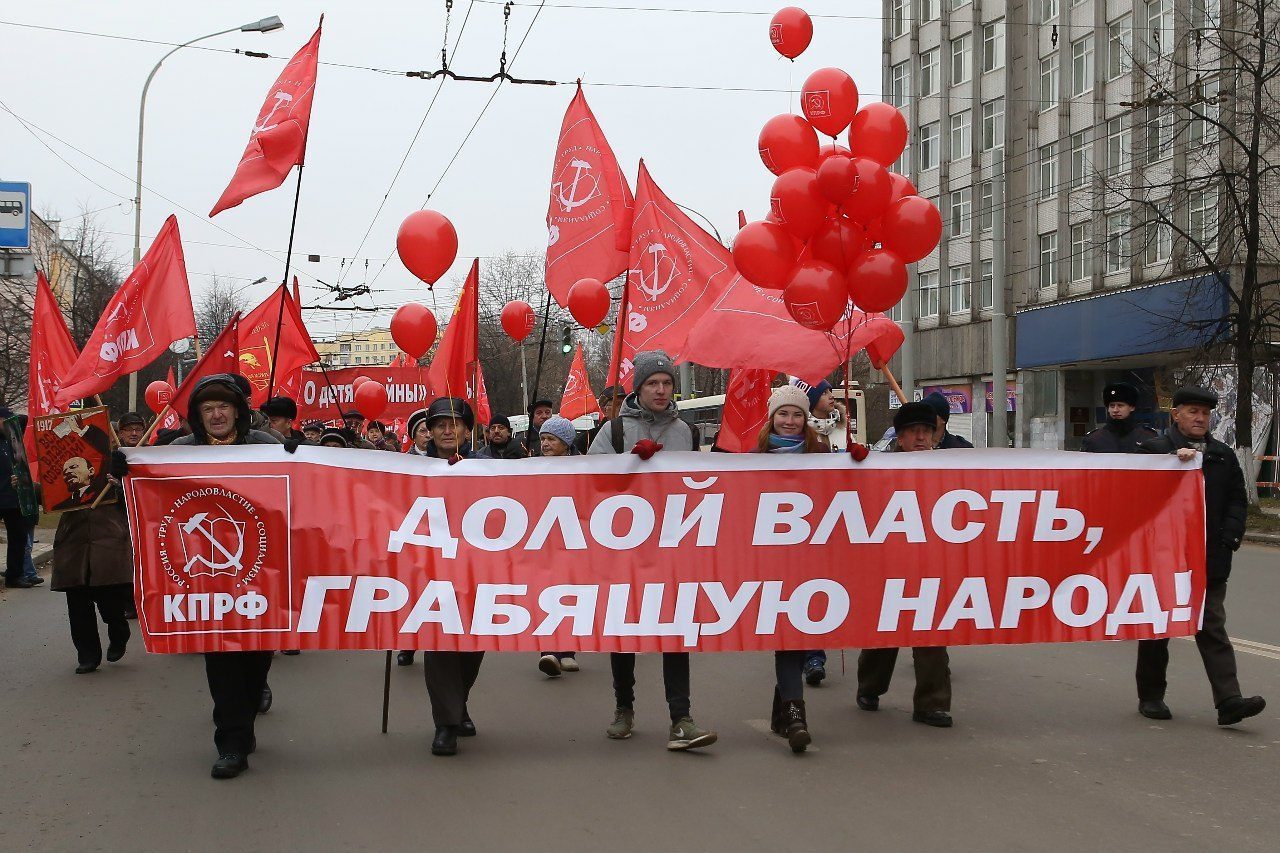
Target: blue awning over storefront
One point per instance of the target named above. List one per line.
(1156, 318)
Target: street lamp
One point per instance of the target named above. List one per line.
(265, 25)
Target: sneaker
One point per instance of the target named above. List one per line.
(814, 673)
(568, 664)
(19, 584)
(685, 734)
(550, 665)
(624, 720)
(35, 581)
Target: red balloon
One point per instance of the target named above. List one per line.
(816, 296)
(837, 179)
(832, 149)
(787, 142)
(911, 228)
(371, 399)
(765, 254)
(902, 187)
(838, 242)
(358, 381)
(878, 131)
(413, 328)
(427, 244)
(796, 202)
(158, 395)
(872, 190)
(518, 319)
(791, 30)
(589, 302)
(829, 100)
(877, 280)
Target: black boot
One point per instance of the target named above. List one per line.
(404, 659)
(777, 724)
(797, 728)
(446, 742)
(264, 701)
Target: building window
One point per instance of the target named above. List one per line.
(1205, 13)
(1048, 82)
(993, 124)
(958, 291)
(1048, 259)
(929, 10)
(1082, 65)
(1159, 133)
(1159, 248)
(993, 45)
(1079, 159)
(1118, 145)
(1203, 128)
(958, 4)
(895, 313)
(903, 164)
(1160, 27)
(985, 218)
(899, 84)
(929, 145)
(929, 72)
(1117, 242)
(960, 212)
(1049, 9)
(1048, 171)
(1202, 223)
(1119, 46)
(1081, 254)
(899, 17)
(961, 135)
(929, 294)
(961, 58)
(985, 288)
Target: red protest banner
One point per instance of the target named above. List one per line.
(249, 547)
(407, 391)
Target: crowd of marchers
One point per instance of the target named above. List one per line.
(92, 553)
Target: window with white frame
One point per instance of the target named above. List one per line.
(985, 289)
(986, 219)
(961, 58)
(929, 146)
(1048, 82)
(1081, 253)
(1205, 13)
(1118, 145)
(1079, 159)
(899, 84)
(1048, 10)
(993, 124)
(929, 10)
(1048, 260)
(1203, 128)
(1159, 237)
(960, 212)
(928, 282)
(993, 45)
(1082, 65)
(1159, 133)
(1119, 46)
(903, 164)
(896, 313)
(899, 17)
(1202, 224)
(961, 135)
(1117, 246)
(929, 72)
(1048, 171)
(1160, 27)
(958, 288)
(958, 4)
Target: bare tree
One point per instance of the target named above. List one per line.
(215, 308)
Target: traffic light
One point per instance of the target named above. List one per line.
(566, 340)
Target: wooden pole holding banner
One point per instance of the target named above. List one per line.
(893, 383)
(386, 692)
(115, 442)
(620, 327)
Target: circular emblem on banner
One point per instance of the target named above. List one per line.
(212, 532)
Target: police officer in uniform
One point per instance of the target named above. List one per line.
(1121, 433)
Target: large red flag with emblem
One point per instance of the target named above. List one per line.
(746, 408)
(222, 356)
(278, 141)
(151, 310)
(450, 372)
(589, 214)
(258, 349)
(577, 399)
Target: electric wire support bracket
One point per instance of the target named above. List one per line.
(445, 71)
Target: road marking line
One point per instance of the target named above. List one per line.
(1262, 650)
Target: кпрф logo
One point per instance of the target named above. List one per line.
(212, 532)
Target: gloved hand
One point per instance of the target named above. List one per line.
(291, 445)
(119, 465)
(455, 459)
(858, 451)
(646, 447)
(1230, 541)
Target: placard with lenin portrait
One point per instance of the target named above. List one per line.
(74, 452)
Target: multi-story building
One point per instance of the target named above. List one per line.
(350, 349)
(1088, 109)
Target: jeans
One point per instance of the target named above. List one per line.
(28, 566)
(675, 678)
(15, 531)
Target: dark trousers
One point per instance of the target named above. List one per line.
(450, 677)
(236, 680)
(1215, 651)
(675, 678)
(933, 676)
(788, 667)
(15, 531)
(110, 601)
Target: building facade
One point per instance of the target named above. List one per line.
(350, 349)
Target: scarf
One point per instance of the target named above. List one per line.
(786, 443)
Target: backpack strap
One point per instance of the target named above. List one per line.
(615, 434)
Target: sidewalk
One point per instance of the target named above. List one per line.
(42, 553)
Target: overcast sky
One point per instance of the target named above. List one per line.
(700, 144)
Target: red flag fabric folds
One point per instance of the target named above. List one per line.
(222, 356)
(258, 350)
(450, 370)
(484, 412)
(53, 352)
(589, 214)
(577, 399)
(278, 141)
(746, 407)
(151, 310)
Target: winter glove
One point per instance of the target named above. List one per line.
(455, 459)
(646, 447)
(291, 445)
(1231, 541)
(119, 465)
(858, 451)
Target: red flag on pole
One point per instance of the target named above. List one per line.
(258, 346)
(278, 141)
(151, 310)
(589, 214)
(484, 413)
(222, 356)
(53, 353)
(577, 399)
(458, 351)
(746, 407)
(297, 294)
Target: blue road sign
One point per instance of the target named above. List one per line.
(15, 215)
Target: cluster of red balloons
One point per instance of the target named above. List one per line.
(841, 226)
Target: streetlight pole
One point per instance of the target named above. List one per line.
(265, 25)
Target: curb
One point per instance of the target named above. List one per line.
(41, 556)
(1262, 538)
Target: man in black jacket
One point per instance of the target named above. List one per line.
(942, 439)
(1225, 503)
(500, 444)
(1121, 433)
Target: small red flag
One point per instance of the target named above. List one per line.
(450, 370)
(258, 350)
(151, 310)
(577, 399)
(589, 214)
(484, 413)
(222, 356)
(278, 141)
(746, 407)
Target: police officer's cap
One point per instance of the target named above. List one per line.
(1120, 392)
(1194, 395)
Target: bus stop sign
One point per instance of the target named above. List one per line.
(15, 215)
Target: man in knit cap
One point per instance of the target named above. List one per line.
(825, 415)
(942, 439)
(646, 424)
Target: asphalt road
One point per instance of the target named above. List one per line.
(1048, 753)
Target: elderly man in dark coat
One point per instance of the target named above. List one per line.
(93, 565)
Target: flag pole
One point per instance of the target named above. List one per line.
(620, 328)
(537, 373)
(284, 282)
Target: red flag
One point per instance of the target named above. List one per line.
(746, 407)
(742, 219)
(151, 310)
(589, 214)
(222, 356)
(577, 399)
(484, 413)
(53, 353)
(886, 344)
(172, 420)
(297, 294)
(459, 348)
(258, 350)
(278, 141)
